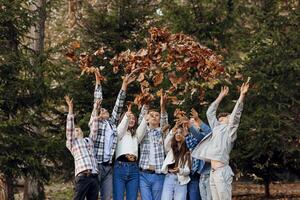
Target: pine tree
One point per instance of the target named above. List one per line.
(268, 144)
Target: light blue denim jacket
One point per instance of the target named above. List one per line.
(218, 145)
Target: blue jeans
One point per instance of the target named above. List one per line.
(205, 187)
(151, 185)
(105, 181)
(193, 192)
(126, 178)
(172, 189)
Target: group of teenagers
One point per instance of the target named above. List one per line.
(125, 154)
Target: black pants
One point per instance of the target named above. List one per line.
(86, 186)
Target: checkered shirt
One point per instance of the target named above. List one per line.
(191, 143)
(100, 126)
(156, 136)
(82, 149)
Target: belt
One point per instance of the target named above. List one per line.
(106, 163)
(148, 171)
(87, 173)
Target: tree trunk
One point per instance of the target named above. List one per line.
(37, 32)
(6, 187)
(267, 186)
(33, 189)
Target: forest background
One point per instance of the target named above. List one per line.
(259, 39)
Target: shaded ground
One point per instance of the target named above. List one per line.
(241, 191)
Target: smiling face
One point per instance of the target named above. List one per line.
(154, 118)
(78, 133)
(104, 113)
(132, 120)
(179, 135)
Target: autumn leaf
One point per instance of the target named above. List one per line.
(99, 52)
(158, 79)
(75, 45)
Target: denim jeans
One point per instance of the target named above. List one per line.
(151, 185)
(205, 187)
(126, 178)
(105, 181)
(193, 192)
(172, 189)
(220, 183)
(86, 187)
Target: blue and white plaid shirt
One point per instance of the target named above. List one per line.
(101, 125)
(192, 141)
(157, 138)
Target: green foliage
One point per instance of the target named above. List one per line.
(269, 137)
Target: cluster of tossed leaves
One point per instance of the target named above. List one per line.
(84, 60)
(176, 63)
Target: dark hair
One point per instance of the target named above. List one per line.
(181, 153)
(223, 114)
(153, 110)
(132, 129)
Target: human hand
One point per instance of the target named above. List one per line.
(224, 91)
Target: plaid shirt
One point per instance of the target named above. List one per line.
(100, 125)
(191, 142)
(156, 136)
(82, 149)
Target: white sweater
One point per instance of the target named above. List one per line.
(127, 144)
(183, 174)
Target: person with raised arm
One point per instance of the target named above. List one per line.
(126, 170)
(82, 149)
(105, 141)
(217, 147)
(198, 187)
(176, 165)
(152, 153)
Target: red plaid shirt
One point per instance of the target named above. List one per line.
(82, 149)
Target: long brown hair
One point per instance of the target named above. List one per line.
(181, 154)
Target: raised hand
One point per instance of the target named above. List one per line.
(163, 101)
(195, 115)
(128, 110)
(97, 76)
(245, 87)
(224, 91)
(69, 102)
(129, 78)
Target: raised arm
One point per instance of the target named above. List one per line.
(123, 126)
(141, 130)
(168, 141)
(212, 110)
(236, 114)
(204, 128)
(116, 113)
(97, 97)
(70, 126)
(163, 112)
(143, 113)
